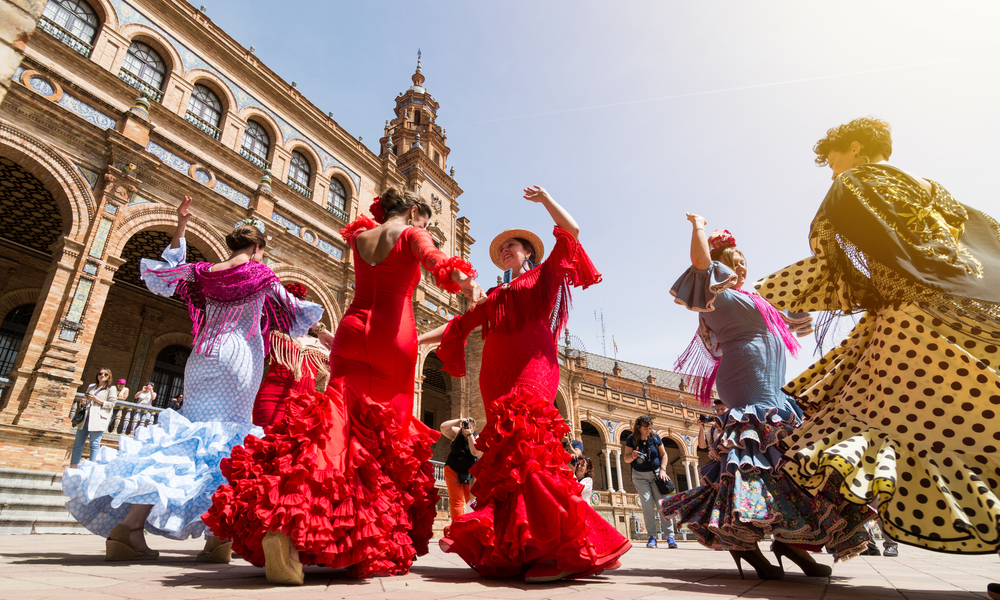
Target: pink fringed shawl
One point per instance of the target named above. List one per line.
(231, 291)
(700, 361)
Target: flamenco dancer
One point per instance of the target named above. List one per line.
(162, 480)
(904, 410)
(343, 479)
(297, 365)
(740, 349)
(529, 517)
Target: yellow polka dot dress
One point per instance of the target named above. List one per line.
(903, 411)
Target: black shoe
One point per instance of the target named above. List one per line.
(891, 551)
(765, 570)
(871, 550)
(993, 591)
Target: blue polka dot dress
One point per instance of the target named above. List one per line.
(174, 465)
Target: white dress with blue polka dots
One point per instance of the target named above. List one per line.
(174, 465)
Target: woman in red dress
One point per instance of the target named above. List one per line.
(343, 480)
(529, 517)
(297, 366)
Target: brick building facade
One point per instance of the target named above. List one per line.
(118, 110)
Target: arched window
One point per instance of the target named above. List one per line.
(168, 373)
(298, 174)
(12, 331)
(256, 145)
(336, 199)
(205, 110)
(144, 70)
(73, 22)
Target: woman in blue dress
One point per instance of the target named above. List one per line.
(740, 350)
(162, 481)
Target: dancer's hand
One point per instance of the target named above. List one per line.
(184, 210)
(697, 221)
(536, 194)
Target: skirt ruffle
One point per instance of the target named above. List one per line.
(745, 496)
(363, 500)
(528, 508)
(173, 466)
(903, 413)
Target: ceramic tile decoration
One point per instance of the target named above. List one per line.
(67, 335)
(280, 220)
(308, 237)
(42, 86)
(330, 249)
(137, 199)
(75, 105)
(202, 176)
(17, 73)
(89, 175)
(90, 268)
(430, 305)
(103, 229)
(168, 157)
(237, 197)
(75, 314)
(111, 209)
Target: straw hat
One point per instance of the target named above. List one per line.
(524, 234)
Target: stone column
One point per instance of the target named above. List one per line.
(621, 474)
(607, 465)
(695, 474)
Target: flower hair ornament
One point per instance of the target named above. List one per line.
(296, 289)
(378, 213)
(721, 238)
(251, 222)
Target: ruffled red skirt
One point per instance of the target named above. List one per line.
(363, 500)
(528, 505)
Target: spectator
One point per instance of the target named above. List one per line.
(99, 404)
(463, 455)
(585, 475)
(707, 436)
(649, 461)
(146, 395)
(122, 391)
(176, 403)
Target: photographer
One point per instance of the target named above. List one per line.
(649, 464)
(706, 436)
(463, 455)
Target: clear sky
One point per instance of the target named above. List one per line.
(631, 113)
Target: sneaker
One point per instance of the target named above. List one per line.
(891, 551)
(651, 543)
(671, 542)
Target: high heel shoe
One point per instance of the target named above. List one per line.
(765, 570)
(221, 554)
(278, 564)
(118, 547)
(801, 558)
(544, 573)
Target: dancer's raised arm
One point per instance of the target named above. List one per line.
(701, 258)
(562, 218)
(183, 214)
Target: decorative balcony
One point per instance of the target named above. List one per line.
(333, 210)
(64, 36)
(203, 125)
(263, 163)
(147, 90)
(298, 187)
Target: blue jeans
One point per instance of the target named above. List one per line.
(81, 437)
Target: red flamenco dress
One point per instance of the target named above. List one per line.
(295, 368)
(345, 474)
(528, 511)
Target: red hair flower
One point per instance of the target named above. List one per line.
(296, 289)
(376, 210)
(721, 238)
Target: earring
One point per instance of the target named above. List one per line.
(861, 160)
(530, 266)
(409, 221)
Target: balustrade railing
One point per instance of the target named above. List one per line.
(260, 162)
(342, 215)
(298, 187)
(149, 91)
(64, 36)
(203, 125)
(127, 417)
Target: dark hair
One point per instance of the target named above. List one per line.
(395, 201)
(643, 420)
(244, 236)
(528, 248)
(590, 466)
(727, 256)
(874, 135)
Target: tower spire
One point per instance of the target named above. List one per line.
(418, 76)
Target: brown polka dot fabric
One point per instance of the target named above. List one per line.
(904, 411)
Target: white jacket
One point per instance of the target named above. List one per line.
(101, 410)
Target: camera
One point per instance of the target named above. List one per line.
(642, 456)
(465, 423)
(706, 418)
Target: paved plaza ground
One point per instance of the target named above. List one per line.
(72, 567)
